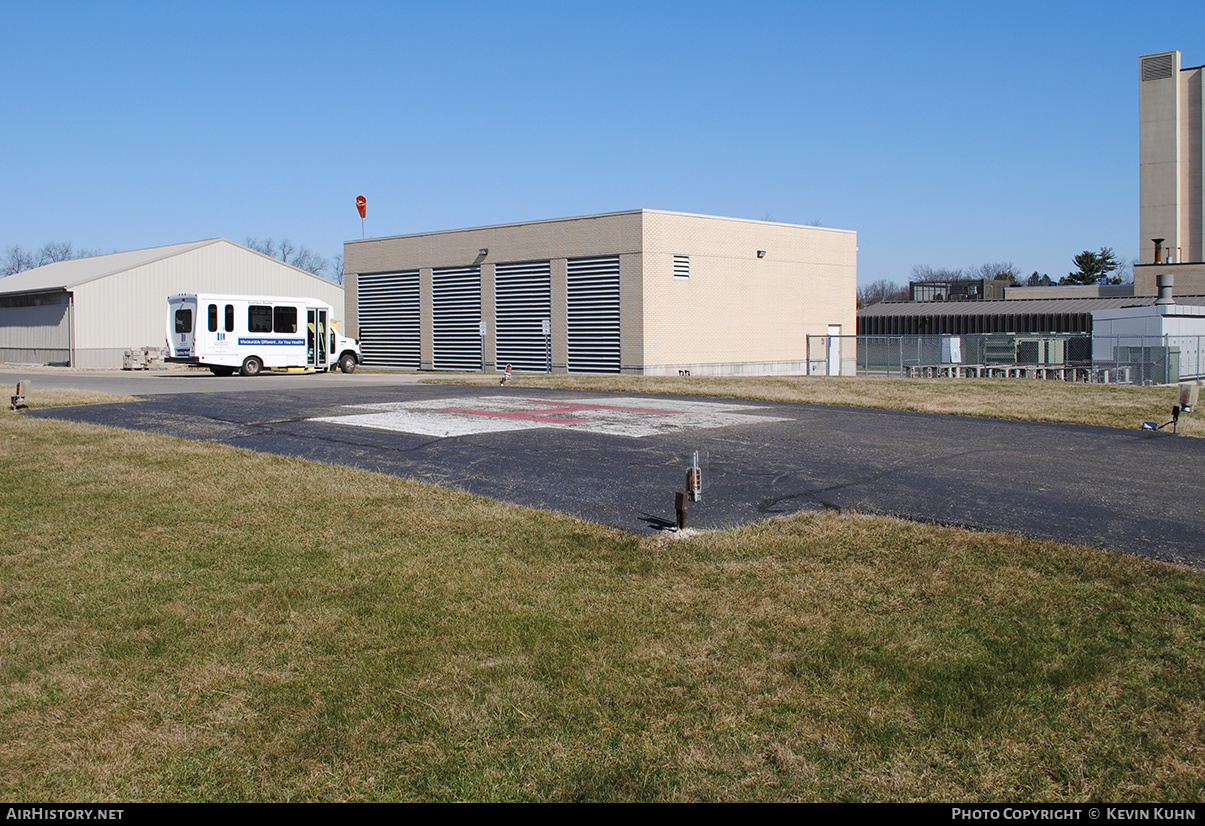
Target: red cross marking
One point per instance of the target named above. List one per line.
(556, 411)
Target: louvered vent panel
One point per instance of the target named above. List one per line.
(1158, 67)
(456, 292)
(593, 293)
(522, 301)
(681, 266)
(387, 308)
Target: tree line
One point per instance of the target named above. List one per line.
(1101, 267)
(18, 259)
(301, 257)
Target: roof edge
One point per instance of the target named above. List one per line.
(180, 249)
(592, 217)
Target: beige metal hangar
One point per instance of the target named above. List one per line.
(89, 311)
(641, 292)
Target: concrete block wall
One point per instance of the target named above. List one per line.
(1190, 278)
(737, 312)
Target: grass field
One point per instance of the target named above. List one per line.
(183, 621)
(1024, 399)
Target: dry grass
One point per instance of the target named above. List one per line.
(181, 621)
(1023, 399)
(37, 398)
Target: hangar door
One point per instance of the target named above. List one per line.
(523, 312)
(593, 299)
(387, 306)
(456, 295)
(36, 329)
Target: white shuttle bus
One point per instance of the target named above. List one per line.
(252, 333)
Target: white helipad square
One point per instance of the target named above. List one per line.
(621, 416)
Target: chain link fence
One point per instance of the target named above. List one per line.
(1066, 357)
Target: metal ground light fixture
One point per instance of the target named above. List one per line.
(1186, 400)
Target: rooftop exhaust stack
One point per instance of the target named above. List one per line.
(1165, 283)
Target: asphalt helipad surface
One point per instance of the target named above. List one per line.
(619, 459)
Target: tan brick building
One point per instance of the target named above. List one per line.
(641, 292)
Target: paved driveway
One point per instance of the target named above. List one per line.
(619, 460)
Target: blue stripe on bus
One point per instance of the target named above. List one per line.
(259, 342)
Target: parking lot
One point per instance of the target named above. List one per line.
(619, 460)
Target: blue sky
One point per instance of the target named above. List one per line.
(946, 134)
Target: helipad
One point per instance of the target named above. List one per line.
(622, 416)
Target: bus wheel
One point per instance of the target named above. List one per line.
(348, 363)
(252, 366)
(221, 371)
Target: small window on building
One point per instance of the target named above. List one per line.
(184, 320)
(230, 318)
(682, 266)
(213, 318)
(259, 319)
(284, 319)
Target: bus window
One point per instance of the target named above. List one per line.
(259, 319)
(213, 318)
(284, 319)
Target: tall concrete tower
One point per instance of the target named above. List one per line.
(1172, 162)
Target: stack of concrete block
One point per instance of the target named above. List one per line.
(142, 358)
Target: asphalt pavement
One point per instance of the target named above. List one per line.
(619, 461)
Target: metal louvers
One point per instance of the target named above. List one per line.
(593, 298)
(456, 294)
(681, 266)
(1158, 67)
(389, 319)
(522, 303)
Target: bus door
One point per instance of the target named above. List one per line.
(316, 353)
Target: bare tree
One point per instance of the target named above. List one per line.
(990, 271)
(923, 272)
(881, 290)
(300, 257)
(997, 271)
(286, 250)
(267, 247)
(309, 261)
(53, 252)
(337, 273)
(16, 259)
